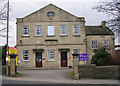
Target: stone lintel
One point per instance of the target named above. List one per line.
(40, 50)
(61, 49)
(75, 54)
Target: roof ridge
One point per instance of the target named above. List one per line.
(98, 30)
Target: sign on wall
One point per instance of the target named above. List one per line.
(12, 50)
(83, 57)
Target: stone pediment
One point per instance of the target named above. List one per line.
(50, 13)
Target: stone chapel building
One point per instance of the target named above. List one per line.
(48, 37)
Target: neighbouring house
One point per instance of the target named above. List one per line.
(48, 37)
(99, 36)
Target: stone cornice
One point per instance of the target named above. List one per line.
(45, 44)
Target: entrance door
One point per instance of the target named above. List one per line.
(64, 59)
(38, 59)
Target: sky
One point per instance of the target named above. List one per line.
(80, 8)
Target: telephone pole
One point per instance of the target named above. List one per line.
(7, 72)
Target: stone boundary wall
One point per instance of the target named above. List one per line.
(99, 72)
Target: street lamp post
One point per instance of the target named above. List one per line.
(7, 72)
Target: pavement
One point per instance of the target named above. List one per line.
(60, 76)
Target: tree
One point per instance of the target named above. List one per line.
(113, 10)
(101, 57)
(3, 17)
(3, 11)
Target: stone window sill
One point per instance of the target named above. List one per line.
(94, 48)
(76, 35)
(26, 60)
(50, 35)
(51, 60)
(38, 36)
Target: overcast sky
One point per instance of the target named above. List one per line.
(21, 8)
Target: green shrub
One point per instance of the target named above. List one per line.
(101, 57)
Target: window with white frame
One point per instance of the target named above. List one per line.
(63, 30)
(76, 30)
(50, 30)
(77, 51)
(25, 31)
(94, 44)
(38, 30)
(106, 43)
(51, 55)
(25, 55)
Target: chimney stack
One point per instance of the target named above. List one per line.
(103, 23)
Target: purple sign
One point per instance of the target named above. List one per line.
(83, 57)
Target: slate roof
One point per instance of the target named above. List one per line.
(98, 30)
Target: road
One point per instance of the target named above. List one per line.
(39, 83)
(26, 82)
(61, 76)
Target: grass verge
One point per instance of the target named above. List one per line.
(72, 74)
(18, 74)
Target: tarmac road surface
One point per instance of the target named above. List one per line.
(61, 76)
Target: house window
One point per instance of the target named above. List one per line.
(50, 30)
(51, 55)
(94, 44)
(77, 51)
(25, 31)
(106, 43)
(38, 30)
(63, 29)
(76, 30)
(25, 55)
(50, 14)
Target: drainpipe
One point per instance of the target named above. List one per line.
(86, 46)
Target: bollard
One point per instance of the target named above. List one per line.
(12, 65)
(75, 66)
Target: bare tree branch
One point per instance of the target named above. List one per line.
(3, 17)
(113, 10)
(3, 29)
